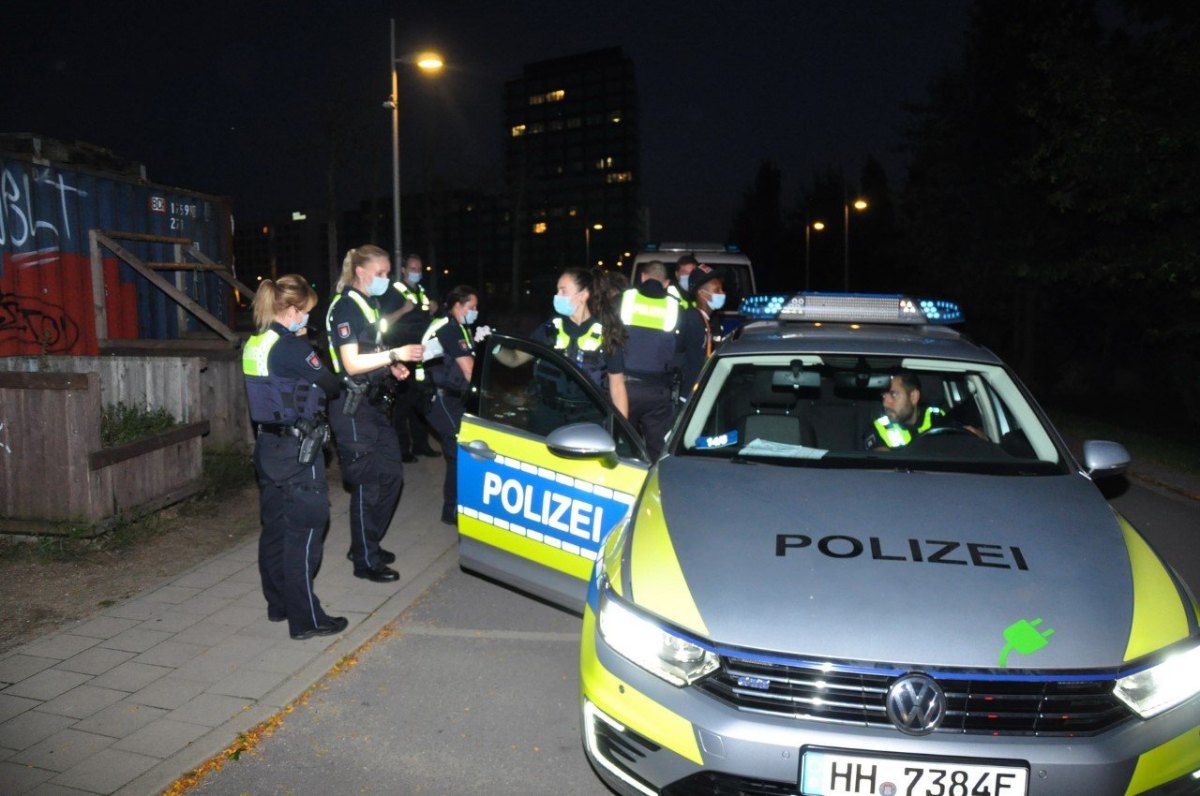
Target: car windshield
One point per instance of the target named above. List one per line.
(829, 411)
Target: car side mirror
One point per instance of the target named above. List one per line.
(1103, 459)
(582, 441)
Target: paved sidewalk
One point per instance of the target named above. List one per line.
(133, 697)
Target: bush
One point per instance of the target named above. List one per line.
(121, 423)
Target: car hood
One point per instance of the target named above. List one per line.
(907, 568)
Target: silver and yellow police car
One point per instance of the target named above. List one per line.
(866, 564)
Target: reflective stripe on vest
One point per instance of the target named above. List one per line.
(270, 398)
(589, 348)
(657, 314)
(590, 340)
(896, 435)
(673, 291)
(369, 312)
(256, 353)
(417, 297)
(431, 332)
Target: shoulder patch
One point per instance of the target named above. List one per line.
(314, 361)
(463, 345)
(343, 330)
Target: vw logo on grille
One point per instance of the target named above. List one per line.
(916, 704)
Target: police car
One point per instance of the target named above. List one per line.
(777, 607)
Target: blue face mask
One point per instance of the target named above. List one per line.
(300, 324)
(378, 286)
(717, 301)
(412, 277)
(563, 306)
(472, 316)
(683, 281)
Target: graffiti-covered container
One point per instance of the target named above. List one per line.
(47, 209)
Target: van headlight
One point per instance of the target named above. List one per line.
(1163, 686)
(659, 651)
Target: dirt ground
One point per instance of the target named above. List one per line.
(46, 583)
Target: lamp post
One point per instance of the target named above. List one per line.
(808, 229)
(587, 242)
(859, 205)
(427, 62)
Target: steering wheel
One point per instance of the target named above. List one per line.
(937, 430)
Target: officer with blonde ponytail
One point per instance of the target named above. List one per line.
(287, 386)
(367, 446)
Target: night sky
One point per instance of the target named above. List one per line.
(239, 99)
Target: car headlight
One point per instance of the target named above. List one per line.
(1162, 686)
(653, 647)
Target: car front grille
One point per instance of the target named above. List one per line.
(982, 704)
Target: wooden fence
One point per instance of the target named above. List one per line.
(54, 476)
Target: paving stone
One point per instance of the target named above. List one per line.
(171, 621)
(16, 668)
(230, 590)
(170, 653)
(136, 640)
(119, 720)
(131, 676)
(15, 778)
(209, 709)
(103, 627)
(22, 732)
(97, 660)
(140, 609)
(106, 771)
(237, 615)
(14, 706)
(199, 579)
(205, 633)
(60, 646)
(248, 683)
(171, 594)
(50, 789)
(47, 684)
(202, 606)
(162, 738)
(83, 701)
(62, 750)
(282, 660)
(170, 692)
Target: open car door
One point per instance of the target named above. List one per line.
(547, 467)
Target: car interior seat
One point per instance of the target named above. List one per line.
(774, 416)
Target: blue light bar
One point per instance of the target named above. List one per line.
(850, 308)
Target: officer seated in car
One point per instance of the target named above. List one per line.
(904, 415)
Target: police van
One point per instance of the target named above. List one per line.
(735, 265)
(778, 606)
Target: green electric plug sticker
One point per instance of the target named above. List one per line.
(1024, 637)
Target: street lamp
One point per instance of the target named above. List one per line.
(859, 204)
(808, 229)
(587, 242)
(426, 62)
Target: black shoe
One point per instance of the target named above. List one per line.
(450, 519)
(275, 617)
(331, 626)
(408, 458)
(380, 574)
(386, 556)
(430, 452)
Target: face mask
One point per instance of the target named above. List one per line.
(378, 286)
(412, 277)
(683, 281)
(563, 306)
(300, 324)
(717, 301)
(472, 316)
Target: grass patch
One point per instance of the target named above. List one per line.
(1142, 445)
(122, 422)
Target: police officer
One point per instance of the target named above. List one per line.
(700, 330)
(286, 388)
(653, 321)
(904, 416)
(680, 288)
(450, 374)
(366, 442)
(408, 310)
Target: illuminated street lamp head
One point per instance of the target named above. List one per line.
(860, 204)
(818, 225)
(430, 62)
(597, 226)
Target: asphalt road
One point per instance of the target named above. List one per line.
(475, 693)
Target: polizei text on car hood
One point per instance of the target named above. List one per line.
(913, 568)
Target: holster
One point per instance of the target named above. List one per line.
(355, 391)
(313, 436)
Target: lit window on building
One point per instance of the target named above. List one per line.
(535, 128)
(604, 163)
(518, 130)
(573, 212)
(555, 96)
(615, 118)
(539, 228)
(619, 176)
(537, 99)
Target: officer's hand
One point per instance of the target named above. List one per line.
(482, 332)
(409, 353)
(399, 371)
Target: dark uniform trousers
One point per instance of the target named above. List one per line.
(295, 518)
(651, 410)
(446, 418)
(409, 425)
(372, 466)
